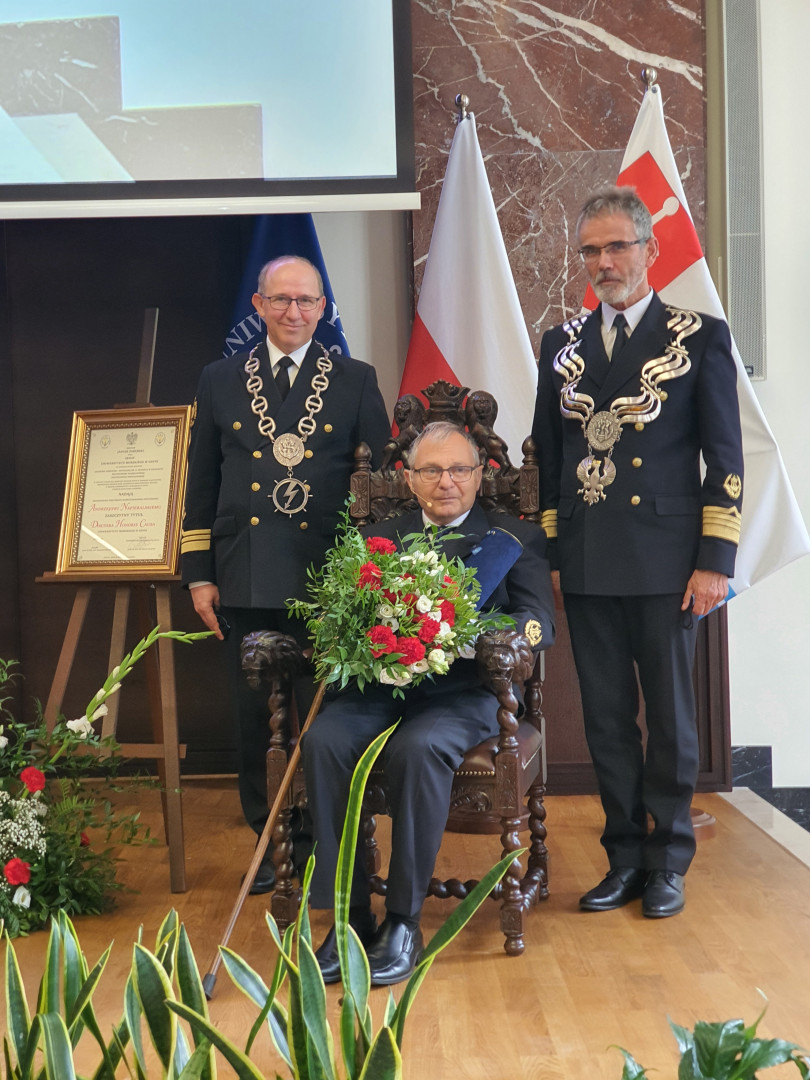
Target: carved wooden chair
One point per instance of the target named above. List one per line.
(499, 786)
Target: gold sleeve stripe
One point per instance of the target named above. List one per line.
(195, 534)
(722, 522)
(548, 519)
(194, 545)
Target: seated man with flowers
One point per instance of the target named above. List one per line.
(422, 655)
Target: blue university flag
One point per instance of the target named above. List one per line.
(275, 235)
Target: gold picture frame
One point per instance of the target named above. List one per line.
(124, 494)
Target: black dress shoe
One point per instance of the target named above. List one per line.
(664, 895)
(327, 955)
(617, 888)
(265, 880)
(394, 952)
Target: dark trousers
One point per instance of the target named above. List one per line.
(419, 760)
(609, 633)
(250, 706)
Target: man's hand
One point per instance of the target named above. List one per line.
(205, 599)
(708, 588)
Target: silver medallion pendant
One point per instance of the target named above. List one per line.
(594, 478)
(288, 450)
(603, 430)
(290, 496)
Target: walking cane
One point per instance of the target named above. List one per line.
(209, 980)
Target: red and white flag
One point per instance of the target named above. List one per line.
(469, 327)
(773, 533)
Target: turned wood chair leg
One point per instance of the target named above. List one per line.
(513, 906)
(286, 897)
(538, 852)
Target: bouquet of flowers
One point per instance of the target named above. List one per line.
(378, 614)
(57, 837)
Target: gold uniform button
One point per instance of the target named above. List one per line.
(307, 453)
(636, 500)
(257, 453)
(327, 427)
(255, 487)
(663, 395)
(636, 462)
(303, 525)
(639, 426)
(254, 521)
(237, 426)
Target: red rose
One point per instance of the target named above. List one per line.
(428, 630)
(370, 575)
(380, 545)
(448, 611)
(411, 648)
(33, 779)
(382, 639)
(17, 872)
(84, 840)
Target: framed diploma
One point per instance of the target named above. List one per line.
(124, 495)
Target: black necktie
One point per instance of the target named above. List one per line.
(620, 326)
(283, 376)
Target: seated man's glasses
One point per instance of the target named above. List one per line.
(617, 247)
(281, 303)
(431, 474)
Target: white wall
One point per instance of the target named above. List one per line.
(366, 256)
(770, 624)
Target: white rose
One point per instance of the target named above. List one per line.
(436, 656)
(385, 611)
(81, 727)
(392, 623)
(389, 679)
(445, 630)
(436, 614)
(22, 897)
(419, 666)
(424, 605)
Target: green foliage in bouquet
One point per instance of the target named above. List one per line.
(59, 834)
(381, 615)
(165, 1028)
(726, 1050)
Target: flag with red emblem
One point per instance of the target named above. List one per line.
(469, 327)
(773, 533)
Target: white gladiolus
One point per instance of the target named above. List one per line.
(100, 711)
(81, 727)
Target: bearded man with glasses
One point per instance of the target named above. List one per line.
(272, 448)
(629, 399)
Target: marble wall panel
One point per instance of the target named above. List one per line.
(555, 88)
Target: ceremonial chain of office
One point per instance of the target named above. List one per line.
(603, 429)
(288, 449)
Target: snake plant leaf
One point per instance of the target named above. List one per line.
(192, 994)
(243, 976)
(80, 1011)
(48, 997)
(74, 973)
(58, 1053)
(632, 1070)
(154, 989)
(355, 1016)
(303, 929)
(296, 1028)
(384, 1061)
(132, 1014)
(18, 1018)
(313, 1002)
(252, 986)
(349, 1049)
(199, 1065)
(348, 841)
(450, 928)
(243, 1067)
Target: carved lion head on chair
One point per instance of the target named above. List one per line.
(269, 656)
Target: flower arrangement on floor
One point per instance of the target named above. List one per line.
(58, 835)
(382, 615)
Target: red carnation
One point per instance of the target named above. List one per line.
(411, 648)
(33, 779)
(370, 575)
(428, 630)
(17, 872)
(84, 840)
(448, 611)
(409, 599)
(382, 639)
(380, 545)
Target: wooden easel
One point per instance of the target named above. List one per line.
(158, 661)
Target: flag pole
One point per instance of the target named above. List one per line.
(649, 76)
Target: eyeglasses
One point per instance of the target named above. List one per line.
(281, 303)
(617, 247)
(431, 474)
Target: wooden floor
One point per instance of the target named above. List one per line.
(585, 981)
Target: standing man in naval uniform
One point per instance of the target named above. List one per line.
(628, 400)
(271, 452)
